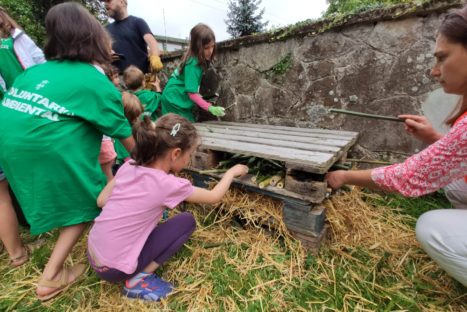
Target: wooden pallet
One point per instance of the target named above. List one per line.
(310, 150)
(307, 154)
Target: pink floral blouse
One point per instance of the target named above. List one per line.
(438, 165)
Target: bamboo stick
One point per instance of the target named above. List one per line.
(213, 171)
(376, 162)
(280, 184)
(275, 179)
(265, 182)
(374, 116)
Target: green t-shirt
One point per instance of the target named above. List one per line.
(175, 96)
(10, 67)
(150, 101)
(52, 120)
(121, 151)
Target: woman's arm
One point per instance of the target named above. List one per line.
(436, 166)
(338, 178)
(203, 196)
(105, 193)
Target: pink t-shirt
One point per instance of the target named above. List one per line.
(441, 163)
(138, 200)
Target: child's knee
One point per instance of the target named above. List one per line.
(188, 220)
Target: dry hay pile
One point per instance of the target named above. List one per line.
(390, 246)
(387, 242)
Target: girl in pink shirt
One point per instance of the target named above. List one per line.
(442, 233)
(126, 243)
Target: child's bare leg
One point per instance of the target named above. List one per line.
(151, 267)
(67, 239)
(9, 233)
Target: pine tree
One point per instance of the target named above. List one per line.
(243, 18)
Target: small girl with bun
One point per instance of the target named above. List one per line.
(126, 243)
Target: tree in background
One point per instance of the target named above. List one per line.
(30, 14)
(354, 6)
(243, 19)
(22, 12)
(96, 7)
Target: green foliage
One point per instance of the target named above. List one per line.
(283, 65)
(30, 14)
(243, 19)
(96, 7)
(23, 13)
(354, 6)
(411, 207)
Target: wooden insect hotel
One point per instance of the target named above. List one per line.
(296, 161)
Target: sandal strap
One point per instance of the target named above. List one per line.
(63, 281)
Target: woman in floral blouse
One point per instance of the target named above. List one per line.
(442, 233)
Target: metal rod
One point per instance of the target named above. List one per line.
(374, 116)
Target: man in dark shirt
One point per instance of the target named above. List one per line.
(132, 37)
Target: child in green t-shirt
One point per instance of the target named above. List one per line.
(182, 90)
(133, 78)
(53, 117)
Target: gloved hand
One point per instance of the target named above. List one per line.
(155, 62)
(217, 111)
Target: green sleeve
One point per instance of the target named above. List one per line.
(192, 73)
(107, 112)
(121, 151)
(151, 101)
(155, 103)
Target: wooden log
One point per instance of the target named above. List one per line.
(204, 160)
(307, 223)
(312, 242)
(315, 189)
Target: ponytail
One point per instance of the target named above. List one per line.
(154, 140)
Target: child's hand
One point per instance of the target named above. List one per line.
(156, 85)
(238, 170)
(217, 111)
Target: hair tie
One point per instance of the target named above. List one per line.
(175, 129)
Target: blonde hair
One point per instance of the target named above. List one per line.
(132, 107)
(133, 78)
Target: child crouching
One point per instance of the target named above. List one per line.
(126, 243)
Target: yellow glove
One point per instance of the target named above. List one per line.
(155, 62)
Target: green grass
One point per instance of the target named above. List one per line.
(411, 207)
(250, 271)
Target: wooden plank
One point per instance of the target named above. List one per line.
(293, 156)
(245, 182)
(321, 141)
(309, 223)
(311, 242)
(318, 146)
(305, 130)
(289, 132)
(304, 187)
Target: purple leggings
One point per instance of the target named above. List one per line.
(163, 242)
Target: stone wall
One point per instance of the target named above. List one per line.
(378, 62)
